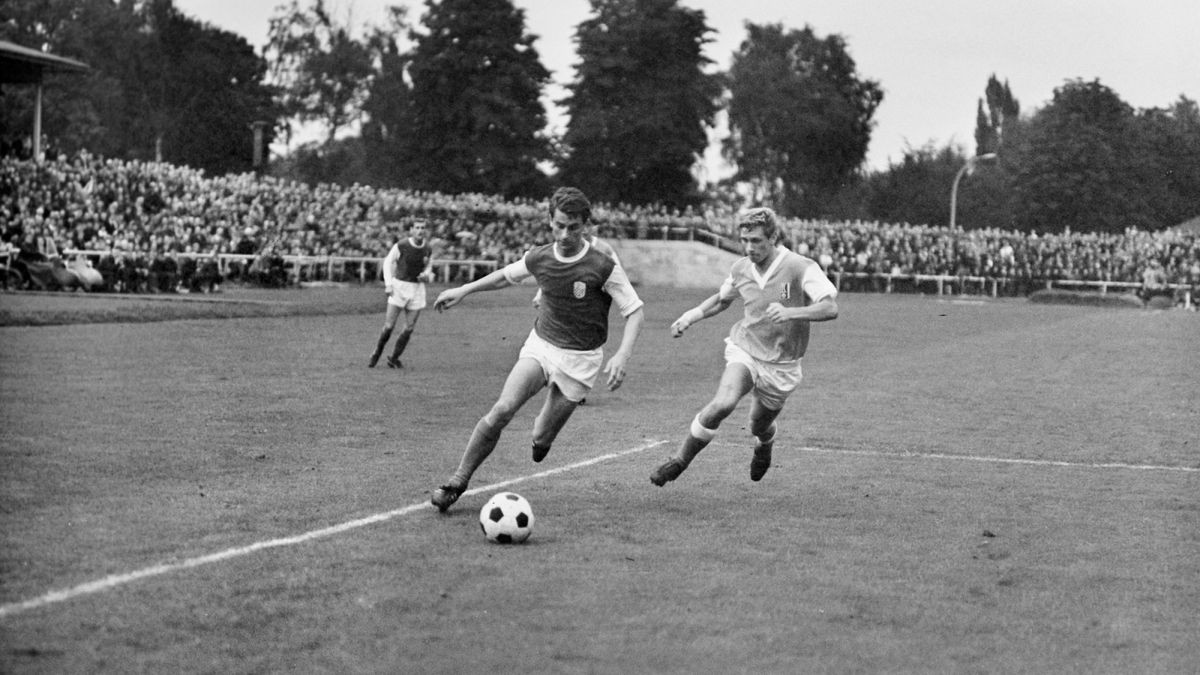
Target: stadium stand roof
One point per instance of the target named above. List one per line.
(22, 65)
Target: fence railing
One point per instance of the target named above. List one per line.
(326, 268)
(362, 269)
(946, 284)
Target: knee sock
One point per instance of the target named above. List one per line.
(483, 441)
(768, 437)
(401, 343)
(699, 436)
(384, 336)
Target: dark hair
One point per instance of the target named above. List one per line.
(571, 201)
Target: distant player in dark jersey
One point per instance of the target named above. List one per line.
(783, 293)
(564, 352)
(406, 269)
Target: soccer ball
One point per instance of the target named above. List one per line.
(506, 518)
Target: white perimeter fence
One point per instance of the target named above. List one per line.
(363, 269)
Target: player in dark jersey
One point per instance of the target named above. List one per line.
(564, 352)
(406, 269)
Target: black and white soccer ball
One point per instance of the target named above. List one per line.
(506, 518)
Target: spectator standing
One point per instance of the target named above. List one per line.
(1154, 280)
(208, 277)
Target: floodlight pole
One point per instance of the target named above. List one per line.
(967, 168)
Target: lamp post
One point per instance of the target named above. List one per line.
(967, 168)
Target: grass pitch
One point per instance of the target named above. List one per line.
(958, 487)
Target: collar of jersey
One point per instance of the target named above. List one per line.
(761, 279)
(577, 256)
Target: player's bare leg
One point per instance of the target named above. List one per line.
(735, 383)
(524, 380)
(762, 425)
(555, 412)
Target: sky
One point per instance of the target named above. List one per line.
(932, 58)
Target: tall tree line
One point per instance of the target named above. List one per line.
(1087, 161)
(453, 101)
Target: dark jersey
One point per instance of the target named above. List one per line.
(406, 261)
(576, 295)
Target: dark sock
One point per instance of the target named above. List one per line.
(384, 336)
(401, 343)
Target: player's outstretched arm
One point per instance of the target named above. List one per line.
(452, 296)
(712, 306)
(616, 368)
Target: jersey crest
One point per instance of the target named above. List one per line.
(786, 292)
(579, 290)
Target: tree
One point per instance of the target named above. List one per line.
(161, 85)
(1002, 109)
(476, 119)
(322, 71)
(203, 93)
(1074, 167)
(915, 190)
(387, 119)
(799, 116)
(640, 103)
(1166, 162)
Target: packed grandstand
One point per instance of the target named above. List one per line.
(153, 227)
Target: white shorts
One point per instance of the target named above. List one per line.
(407, 295)
(773, 382)
(572, 370)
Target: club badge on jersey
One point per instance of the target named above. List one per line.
(786, 293)
(579, 289)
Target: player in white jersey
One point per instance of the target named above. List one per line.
(406, 269)
(783, 293)
(564, 352)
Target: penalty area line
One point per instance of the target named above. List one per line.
(114, 580)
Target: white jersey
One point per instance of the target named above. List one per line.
(793, 281)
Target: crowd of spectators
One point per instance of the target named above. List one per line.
(162, 227)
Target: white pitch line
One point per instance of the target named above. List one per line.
(114, 580)
(1007, 460)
